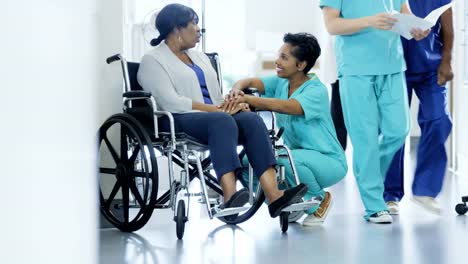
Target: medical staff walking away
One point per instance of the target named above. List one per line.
(373, 90)
(428, 62)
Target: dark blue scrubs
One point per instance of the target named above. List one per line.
(423, 59)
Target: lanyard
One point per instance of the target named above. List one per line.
(389, 10)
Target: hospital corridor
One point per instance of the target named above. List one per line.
(218, 131)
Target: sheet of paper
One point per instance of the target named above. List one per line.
(407, 22)
(435, 14)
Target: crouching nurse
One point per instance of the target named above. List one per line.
(301, 103)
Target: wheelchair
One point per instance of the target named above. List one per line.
(127, 145)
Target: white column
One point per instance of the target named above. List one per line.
(53, 78)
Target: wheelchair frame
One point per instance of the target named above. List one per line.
(184, 152)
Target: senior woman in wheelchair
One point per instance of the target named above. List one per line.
(302, 106)
(184, 83)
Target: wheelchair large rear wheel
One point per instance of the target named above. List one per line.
(128, 173)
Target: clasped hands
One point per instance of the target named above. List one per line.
(234, 103)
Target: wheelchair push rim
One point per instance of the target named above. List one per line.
(127, 162)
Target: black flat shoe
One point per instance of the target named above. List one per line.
(238, 199)
(287, 199)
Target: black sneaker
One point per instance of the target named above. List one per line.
(287, 199)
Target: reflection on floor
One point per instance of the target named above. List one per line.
(415, 237)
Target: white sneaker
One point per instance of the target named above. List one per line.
(312, 220)
(382, 217)
(393, 207)
(427, 203)
(319, 216)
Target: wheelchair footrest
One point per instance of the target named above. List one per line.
(213, 201)
(217, 212)
(302, 206)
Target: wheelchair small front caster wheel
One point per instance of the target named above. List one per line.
(284, 222)
(180, 219)
(461, 209)
(296, 215)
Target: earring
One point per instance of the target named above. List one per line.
(180, 39)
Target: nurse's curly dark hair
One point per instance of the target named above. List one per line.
(305, 48)
(170, 17)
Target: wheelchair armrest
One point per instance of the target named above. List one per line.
(144, 95)
(171, 124)
(137, 94)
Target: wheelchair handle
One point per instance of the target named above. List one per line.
(251, 91)
(280, 132)
(278, 135)
(113, 58)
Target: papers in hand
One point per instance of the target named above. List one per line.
(405, 23)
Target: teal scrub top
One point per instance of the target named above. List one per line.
(370, 51)
(314, 130)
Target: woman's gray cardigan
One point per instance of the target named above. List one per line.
(172, 83)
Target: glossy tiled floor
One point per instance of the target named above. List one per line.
(416, 236)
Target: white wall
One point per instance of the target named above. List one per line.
(284, 16)
(110, 41)
(51, 80)
(460, 89)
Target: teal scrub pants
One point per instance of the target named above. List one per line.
(376, 114)
(314, 169)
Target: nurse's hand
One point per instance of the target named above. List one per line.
(419, 34)
(444, 73)
(382, 21)
(235, 93)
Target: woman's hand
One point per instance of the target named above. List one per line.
(381, 21)
(419, 34)
(241, 107)
(232, 107)
(231, 102)
(245, 107)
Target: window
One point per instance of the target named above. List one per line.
(245, 35)
(136, 14)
